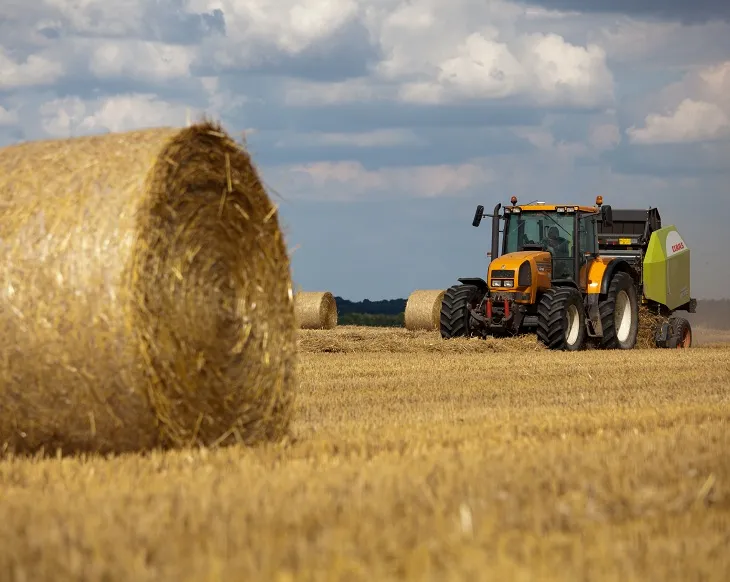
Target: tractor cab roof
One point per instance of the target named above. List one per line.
(552, 207)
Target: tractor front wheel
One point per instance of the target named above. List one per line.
(619, 313)
(561, 319)
(455, 316)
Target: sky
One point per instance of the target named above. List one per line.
(379, 125)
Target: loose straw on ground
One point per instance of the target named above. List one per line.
(315, 310)
(145, 295)
(423, 309)
(363, 339)
(649, 324)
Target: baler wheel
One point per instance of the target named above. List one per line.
(682, 331)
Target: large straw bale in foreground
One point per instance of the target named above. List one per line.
(315, 310)
(423, 309)
(145, 295)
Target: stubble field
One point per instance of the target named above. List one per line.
(417, 459)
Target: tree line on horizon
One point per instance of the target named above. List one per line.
(711, 313)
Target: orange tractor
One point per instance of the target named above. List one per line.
(575, 274)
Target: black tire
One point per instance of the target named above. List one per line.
(455, 314)
(561, 319)
(680, 333)
(612, 311)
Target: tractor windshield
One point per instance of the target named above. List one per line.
(551, 231)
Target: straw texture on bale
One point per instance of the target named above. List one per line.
(145, 295)
(315, 310)
(423, 309)
(649, 324)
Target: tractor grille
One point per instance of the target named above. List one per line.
(503, 274)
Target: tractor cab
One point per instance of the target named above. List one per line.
(568, 233)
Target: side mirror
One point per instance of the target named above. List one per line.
(478, 215)
(607, 216)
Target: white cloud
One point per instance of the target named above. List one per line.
(125, 112)
(544, 68)
(604, 136)
(34, 71)
(482, 68)
(566, 73)
(629, 39)
(697, 109)
(540, 13)
(562, 152)
(256, 30)
(7, 117)
(62, 117)
(306, 93)
(691, 121)
(73, 116)
(654, 44)
(141, 60)
(350, 179)
(369, 139)
(478, 53)
(480, 50)
(103, 18)
(221, 101)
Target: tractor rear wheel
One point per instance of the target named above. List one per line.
(619, 313)
(455, 314)
(561, 319)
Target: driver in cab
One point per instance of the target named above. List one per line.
(556, 244)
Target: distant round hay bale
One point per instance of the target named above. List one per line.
(315, 310)
(145, 296)
(423, 309)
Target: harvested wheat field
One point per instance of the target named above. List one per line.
(413, 459)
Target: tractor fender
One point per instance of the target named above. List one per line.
(478, 282)
(615, 266)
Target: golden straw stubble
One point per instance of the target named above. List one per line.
(145, 295)
(315, 310)
(423, 309)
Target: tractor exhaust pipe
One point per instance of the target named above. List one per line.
(495, 231)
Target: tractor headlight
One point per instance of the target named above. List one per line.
(496, 283)
(509, 283)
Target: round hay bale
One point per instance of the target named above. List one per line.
(315, 310)
(423, 309)
(145, 296)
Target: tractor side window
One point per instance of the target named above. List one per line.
(588, 234)
(532, 232)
